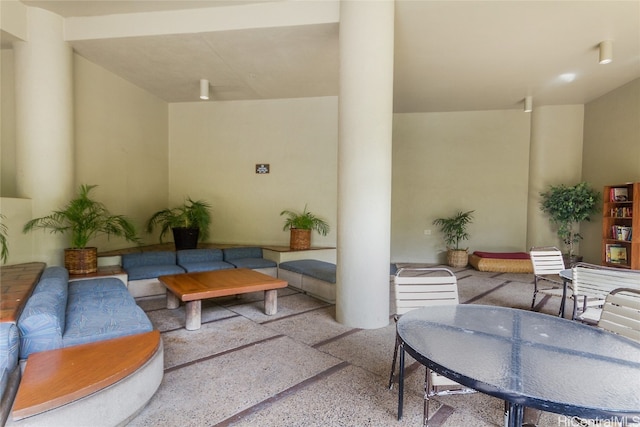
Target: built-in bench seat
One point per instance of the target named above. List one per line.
(250, 257)
(99, 383)
(144, 268)
(195, 260)
(311, 276)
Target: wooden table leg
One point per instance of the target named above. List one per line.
(193, 315)
(271, 302)
(172, 300)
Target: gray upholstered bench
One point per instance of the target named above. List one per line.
(316, 278)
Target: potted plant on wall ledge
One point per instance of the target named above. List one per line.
(567, 207)
(188, 222)
(454, 229)
(301, 224)
(85, 219)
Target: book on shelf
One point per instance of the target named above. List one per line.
(622, 212)
(616, 254)
(621, 232)
(619, 194)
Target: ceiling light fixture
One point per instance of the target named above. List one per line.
(204, 89)
(528, 104)
(606, 52)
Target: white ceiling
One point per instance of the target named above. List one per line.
(449, 55)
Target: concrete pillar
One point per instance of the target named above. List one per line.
(44, 124)
(364, 162)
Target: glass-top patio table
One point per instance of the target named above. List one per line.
(528, 359)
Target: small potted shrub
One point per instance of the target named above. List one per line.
(301, 224)
(85, 219)
(188, 222)
(567, 207)
(454, 229)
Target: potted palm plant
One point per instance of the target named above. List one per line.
(188, 222)
(85, 218)
(301, 224)
(567, 206)
(4, 247)
(454, 229)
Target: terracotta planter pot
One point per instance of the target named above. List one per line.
(300, 239)
(457, 258)
(81, 261)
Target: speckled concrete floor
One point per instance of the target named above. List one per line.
(302, 368)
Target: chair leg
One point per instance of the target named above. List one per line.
(535, 291)
(427, 392)
(393, 364)
(401, 382)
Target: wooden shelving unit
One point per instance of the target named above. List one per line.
(621, 226)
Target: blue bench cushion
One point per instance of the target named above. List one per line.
(194, 260)
(149, 265)
(41, 323)
(231, 254)
(253, 263)
(54, 280)
(195, 267)
(320, 270)
(94, 286)
(247, 257)
(9, 348)
(198, 255)
(141, 259)
(153, 271)
(9, 341)
(102, 310)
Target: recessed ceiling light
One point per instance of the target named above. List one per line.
(567, 77)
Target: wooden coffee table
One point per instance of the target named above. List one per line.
(192, 288)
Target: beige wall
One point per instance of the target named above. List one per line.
(7, 126)
(445, 162)
(145, 155)
(611, 150)
(121, 138)
(555, 158)
(214, 147)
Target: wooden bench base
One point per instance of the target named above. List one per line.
(68, 382)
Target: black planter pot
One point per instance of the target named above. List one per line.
(185, 238)
(569, 262)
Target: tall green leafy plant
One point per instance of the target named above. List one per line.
(454, 228)
(85, 218)
(191, 214)
(567, 206)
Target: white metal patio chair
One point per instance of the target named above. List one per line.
(594, 283)
(621, 313)
(422, 287)
(547, 264)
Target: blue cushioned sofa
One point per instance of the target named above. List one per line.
(60, 313)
